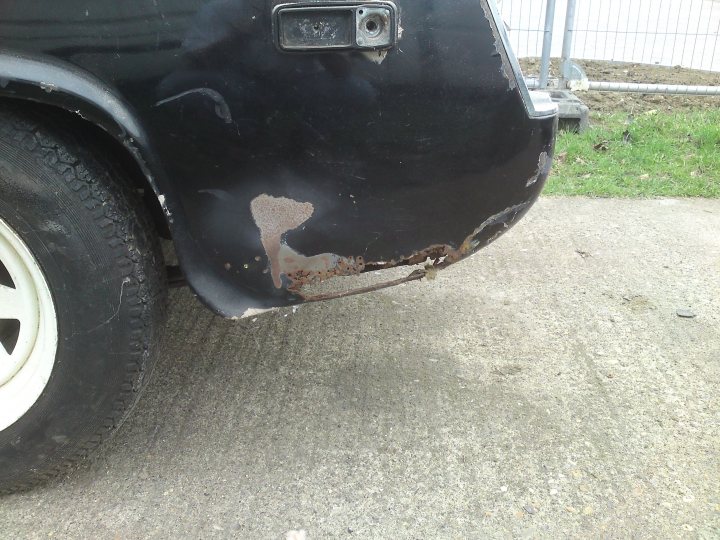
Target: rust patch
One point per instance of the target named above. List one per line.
(276, 216)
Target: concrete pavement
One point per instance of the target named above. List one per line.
(546, 387)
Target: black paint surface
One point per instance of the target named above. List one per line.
(395, 157)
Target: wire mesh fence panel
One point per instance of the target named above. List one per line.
(524, 20)
(662, 32)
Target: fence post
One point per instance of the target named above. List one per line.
(547, 43)
(567, 44)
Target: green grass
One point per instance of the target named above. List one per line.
(655, 154)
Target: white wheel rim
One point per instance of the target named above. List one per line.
(28, 328)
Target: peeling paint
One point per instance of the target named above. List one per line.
(275, 217)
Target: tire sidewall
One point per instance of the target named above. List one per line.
(72, 234)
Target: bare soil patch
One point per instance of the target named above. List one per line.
(611, 102)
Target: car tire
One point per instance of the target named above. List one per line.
(83, 295)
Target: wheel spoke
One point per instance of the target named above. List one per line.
(10, 303)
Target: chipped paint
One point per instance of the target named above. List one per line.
(252, 312)
(378, 57)
(163, 204)
(543, 169)
(48, 87)
(275, 217)
(506, 68)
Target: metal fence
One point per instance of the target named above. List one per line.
(658, 32)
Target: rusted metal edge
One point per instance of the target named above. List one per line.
(443, 255)
(417, 275)
(275, 217)
(440, 257)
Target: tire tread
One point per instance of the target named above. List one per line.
(130, 235)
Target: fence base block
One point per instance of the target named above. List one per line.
(574, 114)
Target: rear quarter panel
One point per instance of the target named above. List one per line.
(278, 170)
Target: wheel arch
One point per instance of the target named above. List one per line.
(87, 104)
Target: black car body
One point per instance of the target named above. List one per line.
(277, 144)
(276, 169)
